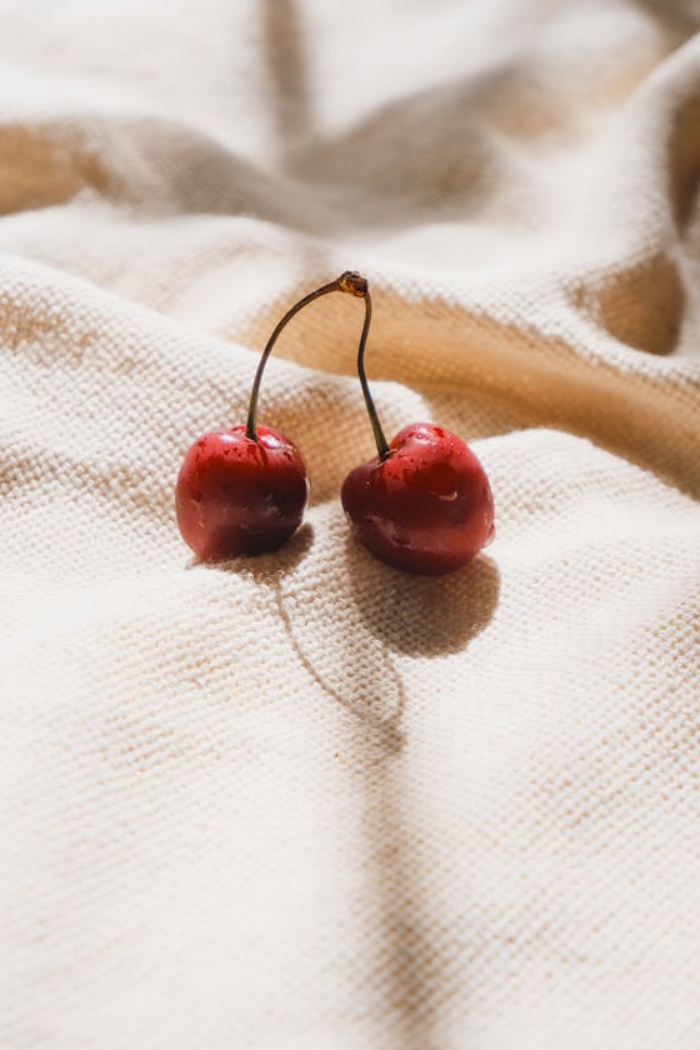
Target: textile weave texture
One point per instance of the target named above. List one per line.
(303, 801)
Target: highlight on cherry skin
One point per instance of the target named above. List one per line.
(423, 504)
(243, 490)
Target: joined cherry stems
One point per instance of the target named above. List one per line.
(351, 283)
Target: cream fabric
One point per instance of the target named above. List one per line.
(305, 802)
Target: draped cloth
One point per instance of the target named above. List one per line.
(304, 801)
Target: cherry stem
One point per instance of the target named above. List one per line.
(350, 282)
(250, 429)
(382, 445)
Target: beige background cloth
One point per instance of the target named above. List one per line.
(306, 802)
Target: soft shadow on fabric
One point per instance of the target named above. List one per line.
(423, 615)
(367, 704)
(684, 162)
(386, 615)
(287, 67)
(673, 17)
(641, 305)
(369, 688)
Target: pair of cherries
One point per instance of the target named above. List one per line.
(423, 504)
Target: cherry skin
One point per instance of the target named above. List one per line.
(238, 495)
(426, 507)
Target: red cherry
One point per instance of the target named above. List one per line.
(427, 507)
(243, 490)
(424, 504)
(235, 495)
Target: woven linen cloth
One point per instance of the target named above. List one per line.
(303, 801)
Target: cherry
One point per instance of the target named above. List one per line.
(240, 495)
(424, 503)
(244, 490)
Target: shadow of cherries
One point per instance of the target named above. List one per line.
(350, 619)
(422, 615)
